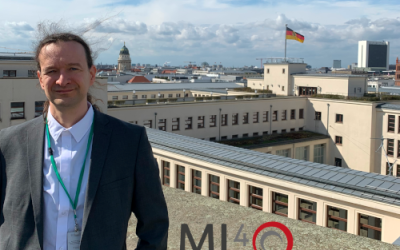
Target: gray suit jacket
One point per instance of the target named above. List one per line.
(123, 178)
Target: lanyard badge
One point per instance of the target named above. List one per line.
(74, 235)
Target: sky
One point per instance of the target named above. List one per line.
(231, 32)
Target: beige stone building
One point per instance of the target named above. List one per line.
(350, 125)
(352, 201)
(290, 78)
(21, 99)
(17, 66)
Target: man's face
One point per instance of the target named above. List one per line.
(64, 75)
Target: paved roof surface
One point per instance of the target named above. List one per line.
(197, 211)
(366, 185)
(171, 86)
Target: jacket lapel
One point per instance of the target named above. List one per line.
(101, 139)
(35, 144)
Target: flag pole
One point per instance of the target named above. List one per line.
(285, 41)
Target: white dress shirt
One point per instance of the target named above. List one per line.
(69, 148)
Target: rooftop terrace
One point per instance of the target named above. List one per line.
(197, 211)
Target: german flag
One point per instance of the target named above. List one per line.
(290, 34)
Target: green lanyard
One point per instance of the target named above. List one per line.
(53, 163)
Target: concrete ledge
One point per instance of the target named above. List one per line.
(197, 211)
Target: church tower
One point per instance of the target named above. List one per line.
(124, 60)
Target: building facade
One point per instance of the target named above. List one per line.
(337, 64)
(342, 199)
(290, 78)
(17, 66)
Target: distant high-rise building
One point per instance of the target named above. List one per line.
(373, 55)
(337, 64)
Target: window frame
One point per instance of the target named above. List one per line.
(398, 171)
(175, 124)
(224, 119)
(318, 116)
(213, 121)
(388, 168)
(9, 73)
(200, 121)
(189, 123)
(245, 118)
(307, 210)
(292, 114)
(32, 73)
(178, 174)
(391, 123)
(339, 118)
(275, 116)
(328, 217)
(234, 190)
(194, 177)
(168, 168)
(255, 117)
(163, 123)
(390, 148)
(265, 116)
(274, 201)
(301, 113)
(338, 140)
(39, 107)
(217, 184)
(18, 116)
(360, 225)
(147, 122)
(235, 119)
(338, 160)
(284, 115)
(255, 196)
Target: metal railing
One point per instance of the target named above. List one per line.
(277, 60)
(138, 102)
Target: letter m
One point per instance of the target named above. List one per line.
(208, 231)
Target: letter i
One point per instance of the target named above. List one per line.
(223, 237)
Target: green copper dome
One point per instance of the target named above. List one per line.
(124, 51)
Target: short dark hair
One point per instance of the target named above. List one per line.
(63, 37)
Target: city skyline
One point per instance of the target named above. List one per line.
(231, 32)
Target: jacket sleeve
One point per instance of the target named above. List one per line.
(149, 204)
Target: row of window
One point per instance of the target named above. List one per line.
(303, 153)
(18, 109)
(162, 123)
(13, 73)
(338, 117)
(337, 218)
(134, 97)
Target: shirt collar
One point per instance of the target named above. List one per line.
(78, 130)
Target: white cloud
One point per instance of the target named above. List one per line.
(216, 28)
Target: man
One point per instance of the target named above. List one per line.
(72, 178)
